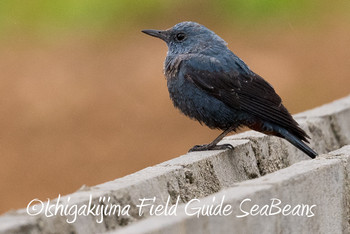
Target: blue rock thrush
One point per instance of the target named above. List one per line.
(209, 83)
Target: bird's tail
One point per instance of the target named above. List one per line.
(297, 143)
(295, 135)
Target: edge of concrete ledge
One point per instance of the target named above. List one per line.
(309, 181)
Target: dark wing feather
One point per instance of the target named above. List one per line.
(239, 89)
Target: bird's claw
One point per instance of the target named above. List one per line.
(210, 147)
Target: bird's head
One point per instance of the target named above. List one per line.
(187, 37)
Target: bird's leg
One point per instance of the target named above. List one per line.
(213, 145)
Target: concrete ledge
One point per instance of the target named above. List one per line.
(203, 175)
(322, 182)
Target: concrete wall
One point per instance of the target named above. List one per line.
(259, 168)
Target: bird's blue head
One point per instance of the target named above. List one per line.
(188, 37)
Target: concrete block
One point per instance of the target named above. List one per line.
(319, 182)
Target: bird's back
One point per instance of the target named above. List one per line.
(221, 87)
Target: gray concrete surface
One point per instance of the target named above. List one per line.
(260, 168)
(323, 182)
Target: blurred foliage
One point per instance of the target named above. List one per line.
(42, 14)
(37, 16)
(257, 10)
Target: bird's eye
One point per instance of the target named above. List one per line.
(180, 36)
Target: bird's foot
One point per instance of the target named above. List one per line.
(210, 147)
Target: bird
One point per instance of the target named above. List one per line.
(212, 85)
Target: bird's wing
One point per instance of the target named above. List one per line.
(233, 83)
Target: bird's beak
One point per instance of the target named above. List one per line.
(164, 35)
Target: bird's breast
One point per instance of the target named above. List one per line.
(197, 104)
(172, 65)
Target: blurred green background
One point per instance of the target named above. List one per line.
(84, 101)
